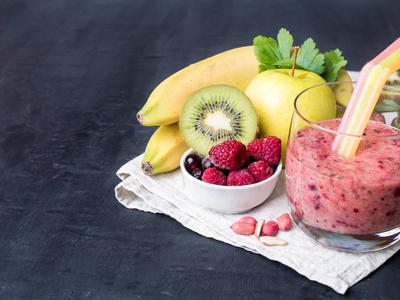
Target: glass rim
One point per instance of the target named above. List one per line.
(313, 124)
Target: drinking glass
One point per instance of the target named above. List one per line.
(350, 204)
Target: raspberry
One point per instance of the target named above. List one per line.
(240, 177)
(267, 149)
(214, 176)
(229, 155)
(260, 170)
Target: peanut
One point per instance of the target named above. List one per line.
(270, 228)
(272, 241)
(259, 226)
(284, 222)
(249, 220)
(243, 228)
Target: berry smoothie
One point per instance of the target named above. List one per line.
(357, 195)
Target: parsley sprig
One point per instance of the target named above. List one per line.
(277, 54)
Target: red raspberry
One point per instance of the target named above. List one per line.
(267, 149)
(229, 155)
(239, 177)
(260, 170)
(214, 176)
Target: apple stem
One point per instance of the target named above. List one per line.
(296, 49)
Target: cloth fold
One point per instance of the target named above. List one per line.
(168, 194)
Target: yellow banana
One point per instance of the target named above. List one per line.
(164, 150)
(235, 67)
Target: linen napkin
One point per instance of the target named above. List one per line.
(167, 193)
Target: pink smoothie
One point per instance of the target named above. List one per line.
(347, 195)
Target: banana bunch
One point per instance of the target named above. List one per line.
(235, 67)
(164, 150)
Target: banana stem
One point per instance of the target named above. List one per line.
(296, 49)
(139, 117)
(147, 168)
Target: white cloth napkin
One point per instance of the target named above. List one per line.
(167, 194)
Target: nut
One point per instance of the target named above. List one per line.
(272, 241)
(284, 222)
(248, 219)
(243, 228)
(259, 226)
(270, 228)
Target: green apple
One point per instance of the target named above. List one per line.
(343, 91)
(273, 92)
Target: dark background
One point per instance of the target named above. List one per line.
(73, 74)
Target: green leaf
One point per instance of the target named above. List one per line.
(266, 50)
(388, 105)
(262, 68)
(273, 54)
(333, 62)
(309, 57)
(285, 63)
(285, 42)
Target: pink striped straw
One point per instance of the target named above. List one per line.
(359, 87)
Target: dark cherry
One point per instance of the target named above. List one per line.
(197, 173)
(192, 162)
(206, 163)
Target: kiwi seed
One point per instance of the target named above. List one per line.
(217, 113)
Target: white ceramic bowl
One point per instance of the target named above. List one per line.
(229, 199)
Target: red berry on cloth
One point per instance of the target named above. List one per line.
(214, 176)
(260, 170)
(267, 149)
(229, 155)
(239, 177)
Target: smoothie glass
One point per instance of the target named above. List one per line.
(350, 204)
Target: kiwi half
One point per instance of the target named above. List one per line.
(393, 81)
(217, 113)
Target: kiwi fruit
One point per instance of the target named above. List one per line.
(396, 122)
(217, 113)
(393, 81)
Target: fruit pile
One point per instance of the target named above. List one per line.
(240, 94)
(231, 163)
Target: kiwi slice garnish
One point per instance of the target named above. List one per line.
(217, 113)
